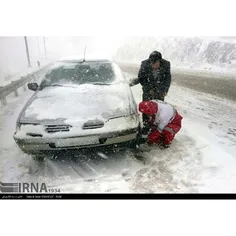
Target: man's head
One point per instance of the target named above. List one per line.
(155, 58)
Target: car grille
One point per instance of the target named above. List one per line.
(57, 128)
(93, 124)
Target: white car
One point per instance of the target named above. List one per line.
(79, 104)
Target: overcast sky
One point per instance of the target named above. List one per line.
(13, 54)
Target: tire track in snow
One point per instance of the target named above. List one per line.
(177, 169)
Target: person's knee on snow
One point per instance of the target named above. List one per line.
(154, 137)
(167, 137)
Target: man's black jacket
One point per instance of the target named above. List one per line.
(146, 78)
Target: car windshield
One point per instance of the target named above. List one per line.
(76, 73)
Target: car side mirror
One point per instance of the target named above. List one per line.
(32, 86)
(133, 81)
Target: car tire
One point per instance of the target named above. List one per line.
(136, 143)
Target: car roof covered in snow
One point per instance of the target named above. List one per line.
(88, 58)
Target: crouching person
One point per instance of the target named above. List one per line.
(164, 122)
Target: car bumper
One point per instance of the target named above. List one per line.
(36, 145)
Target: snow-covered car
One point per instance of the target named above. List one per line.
(79, 104)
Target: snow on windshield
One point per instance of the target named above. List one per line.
(80, 73)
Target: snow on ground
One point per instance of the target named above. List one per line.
(73, 173)
(212, 71)
(202, 158)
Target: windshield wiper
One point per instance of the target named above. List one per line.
(58, 85)
(52, 85)
(99, 83)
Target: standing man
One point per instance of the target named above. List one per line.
(155, 77)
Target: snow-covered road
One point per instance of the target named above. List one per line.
(201, 159)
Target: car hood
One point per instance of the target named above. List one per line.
(78, 103)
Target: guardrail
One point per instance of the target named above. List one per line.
(15, 85)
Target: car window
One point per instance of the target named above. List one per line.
(76, 73)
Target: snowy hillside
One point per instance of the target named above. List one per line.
(197, 52)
